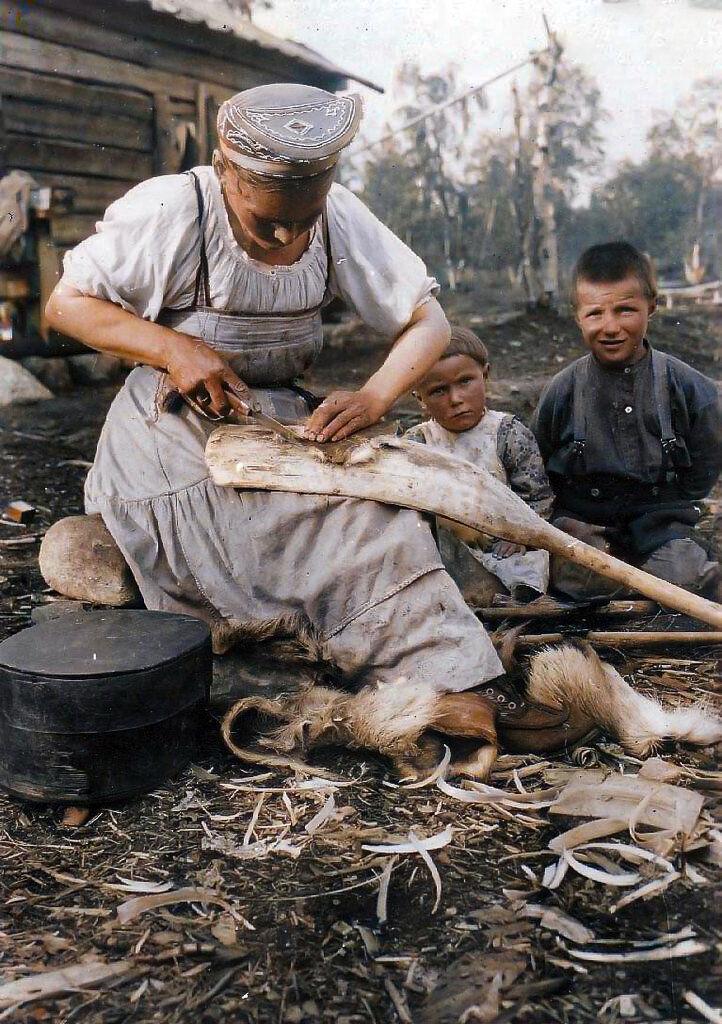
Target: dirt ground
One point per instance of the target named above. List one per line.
(281, 918)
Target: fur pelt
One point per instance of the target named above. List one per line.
(575, 676)
(402, 719)
(288, 637)
(388, 718)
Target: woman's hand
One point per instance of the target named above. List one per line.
(343, 413)
(199, 372)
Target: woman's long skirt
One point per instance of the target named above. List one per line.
(366, 578)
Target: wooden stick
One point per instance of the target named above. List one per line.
(555, 609)
(625, 638)
(413, 475)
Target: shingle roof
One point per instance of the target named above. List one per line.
(219, 17)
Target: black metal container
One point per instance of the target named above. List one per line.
(101, 705)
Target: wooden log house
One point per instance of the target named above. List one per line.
(96, 95)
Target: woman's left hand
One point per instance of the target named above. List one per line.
(343, 413)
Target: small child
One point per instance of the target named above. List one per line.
(631, 438)
(453, 393)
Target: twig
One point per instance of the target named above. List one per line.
(398, 1000)
(707, 1011)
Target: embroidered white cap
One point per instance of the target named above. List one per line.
(287, 130)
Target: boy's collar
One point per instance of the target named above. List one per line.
(632, 367)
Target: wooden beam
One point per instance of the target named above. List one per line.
(27, 117)
(556, 609)
(19, 51)
(49, 88)
(50, 271)
(210, 52)
(165, 154)
(204, 150)
(630, 638)
(72, 158)
(157, 58)
(400, 472)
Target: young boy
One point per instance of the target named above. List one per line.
(453, 393)
(631, 438)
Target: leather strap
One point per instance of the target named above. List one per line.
(202, 290)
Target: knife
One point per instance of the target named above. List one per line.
(256, 416)
(275, 425)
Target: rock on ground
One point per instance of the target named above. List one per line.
(80, 559)
(94, 368)
(54, 373)
(18, 385)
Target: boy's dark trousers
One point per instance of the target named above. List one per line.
(650, 526)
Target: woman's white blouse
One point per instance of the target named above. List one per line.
(144, 257)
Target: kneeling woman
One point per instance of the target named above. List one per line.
(213, 281)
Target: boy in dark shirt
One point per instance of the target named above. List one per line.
(631, 438)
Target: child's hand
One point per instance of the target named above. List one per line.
(505, 548)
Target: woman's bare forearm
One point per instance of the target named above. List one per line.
(414, 352)
(109, 328)
(193, 367)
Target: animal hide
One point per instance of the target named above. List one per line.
(571, 676)
(409, 723)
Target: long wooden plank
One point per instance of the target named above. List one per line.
(73, 158)
(27, 117)
(158, 57)
(21, 51)
(414, 476)
(207, 54)
(550, 609)
(630, 638)
(50, 88)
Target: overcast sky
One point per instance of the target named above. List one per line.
(644, 54)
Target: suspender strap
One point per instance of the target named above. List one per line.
(327, 247)
(202, 289)
(660, 378)
(579, 400)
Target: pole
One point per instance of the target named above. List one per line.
(541, 177)
(531, 59)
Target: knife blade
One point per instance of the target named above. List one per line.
(275, 425)
(262, 419)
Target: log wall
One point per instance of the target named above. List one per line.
(96, 97)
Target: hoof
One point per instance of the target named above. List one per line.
(80, 559)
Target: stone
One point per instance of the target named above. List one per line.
(18, 385)
(53, 373)
(80, 559)
(95, 368)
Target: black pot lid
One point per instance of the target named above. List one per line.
(101, 643)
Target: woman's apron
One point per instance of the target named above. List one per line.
(365, 578)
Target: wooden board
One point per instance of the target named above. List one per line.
(19, 51)
(73, 158)
(411, 475)
(252, 65)
(162, 41)
(50, 88)
(51, 121)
